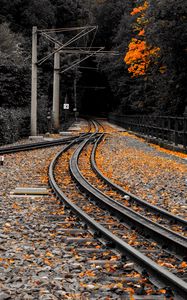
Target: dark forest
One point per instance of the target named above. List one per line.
(147, 76)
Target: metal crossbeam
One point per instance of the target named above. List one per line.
(85, 31)
(60, 48)
(51, 39)
(81, 60)
(79, 51)
(63, 29)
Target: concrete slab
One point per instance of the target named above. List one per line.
(30, 191)
(75, 128)
(36, 137)
(48, 139)
(66, 133)
(18, 196)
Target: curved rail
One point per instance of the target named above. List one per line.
(33, 146)
(175, 219)
(163, 235)
(159, 274)
(39, 145)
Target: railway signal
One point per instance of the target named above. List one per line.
(66, 106)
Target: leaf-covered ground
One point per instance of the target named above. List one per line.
(33, 261)
(154, 174)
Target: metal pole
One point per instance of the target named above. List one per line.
(56, 89)
(34, 83)
(75, 98)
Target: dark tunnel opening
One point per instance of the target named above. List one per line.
(94, 94)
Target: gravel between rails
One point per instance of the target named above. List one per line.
(34, 263)
(153, 174)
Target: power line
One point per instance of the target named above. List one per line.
(79, 61)
(64, 29)
(72, 40)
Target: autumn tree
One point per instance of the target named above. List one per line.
(155, 50)
(140, 54)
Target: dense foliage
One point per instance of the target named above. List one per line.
(152, 38)
(148, 75)
(16, 20)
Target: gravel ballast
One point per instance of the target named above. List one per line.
(156, 175)
(34, 262)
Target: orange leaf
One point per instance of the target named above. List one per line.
(15, 206)
(183, 264)
(49, 254)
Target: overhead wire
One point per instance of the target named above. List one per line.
(75, 38)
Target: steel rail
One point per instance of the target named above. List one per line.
(99, 124)
(160, 211)
(163, 235)
(39, 145)
(33, 146)
(159, 275)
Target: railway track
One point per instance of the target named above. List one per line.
(163, 219)
(45, 144)
(153, 212)
(118, 224)
(121, 256)
(34, 146)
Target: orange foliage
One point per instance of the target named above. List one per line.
(140, 54)
(142, 32)
(139, 9)
(183, 264)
